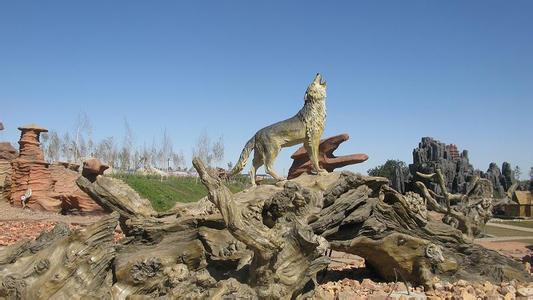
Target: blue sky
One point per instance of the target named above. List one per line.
(460, 71)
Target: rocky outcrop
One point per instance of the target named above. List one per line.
(7, 151)
(327, 159)
(432, 155)
(31, 171)
(5, 180)
(92, 168)
(73, 199)
(53, 186)
(494, 175)
(507, 178)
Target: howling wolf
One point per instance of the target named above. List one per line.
(305, 127)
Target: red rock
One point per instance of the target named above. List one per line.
(30, 171)
(327, 160)
(5, 180)
(65, 189)
(7, 151)
(92, 168)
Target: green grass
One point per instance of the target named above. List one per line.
(163, 194)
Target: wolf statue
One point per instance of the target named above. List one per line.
(305, 127)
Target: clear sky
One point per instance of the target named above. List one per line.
(459, 71)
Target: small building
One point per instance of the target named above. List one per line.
(523, 206)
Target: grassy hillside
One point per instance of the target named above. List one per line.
(165, 193)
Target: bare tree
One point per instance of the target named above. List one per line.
(52, 151)
(178, 160)
(83, 127)
(127, 146)
(66, 148)
(166, 151)
(207, 151)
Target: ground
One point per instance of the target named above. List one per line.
(346, 277)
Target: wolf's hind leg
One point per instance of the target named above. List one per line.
(257, 162)
(269, 162)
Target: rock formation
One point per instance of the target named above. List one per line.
(432, 154)
(7, 153)
(92, 168)
(31, 171)
(73, 199)
(495, 177)
(5, 180)
(53, 186)
(327, 160)
(507, 176)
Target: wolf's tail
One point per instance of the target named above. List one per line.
(244, 157)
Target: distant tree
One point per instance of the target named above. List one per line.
(230, 165)
(166, 151)
(125, 154)
(83, 127)
(531, 179)
(106, 151)
(517, 173)
(53, 147)
(210, 153)
(67, 150)
(178, 160)
(387, 169)
(218, 150)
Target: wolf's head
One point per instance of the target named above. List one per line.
(316, 90)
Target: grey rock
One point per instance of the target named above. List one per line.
(432, 154)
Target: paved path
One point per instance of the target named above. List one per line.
(519, 228)
(505, 238)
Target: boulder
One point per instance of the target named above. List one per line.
(73, 199)
(92, 168)
(327, 160)
(7, 151)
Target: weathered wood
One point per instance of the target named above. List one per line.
(266, 242)
(11, 253)
(287, 254)
(72, 267)
(394, 234)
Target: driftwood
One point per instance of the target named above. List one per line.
(267, 242)
(72, 266)
(394, 234)
(472, 210)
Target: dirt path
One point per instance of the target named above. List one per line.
(18, 224)
(10, 213)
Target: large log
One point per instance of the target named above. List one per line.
(363, 216)
(265, 242)
(75, 266)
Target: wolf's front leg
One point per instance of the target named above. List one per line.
(313, 149)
